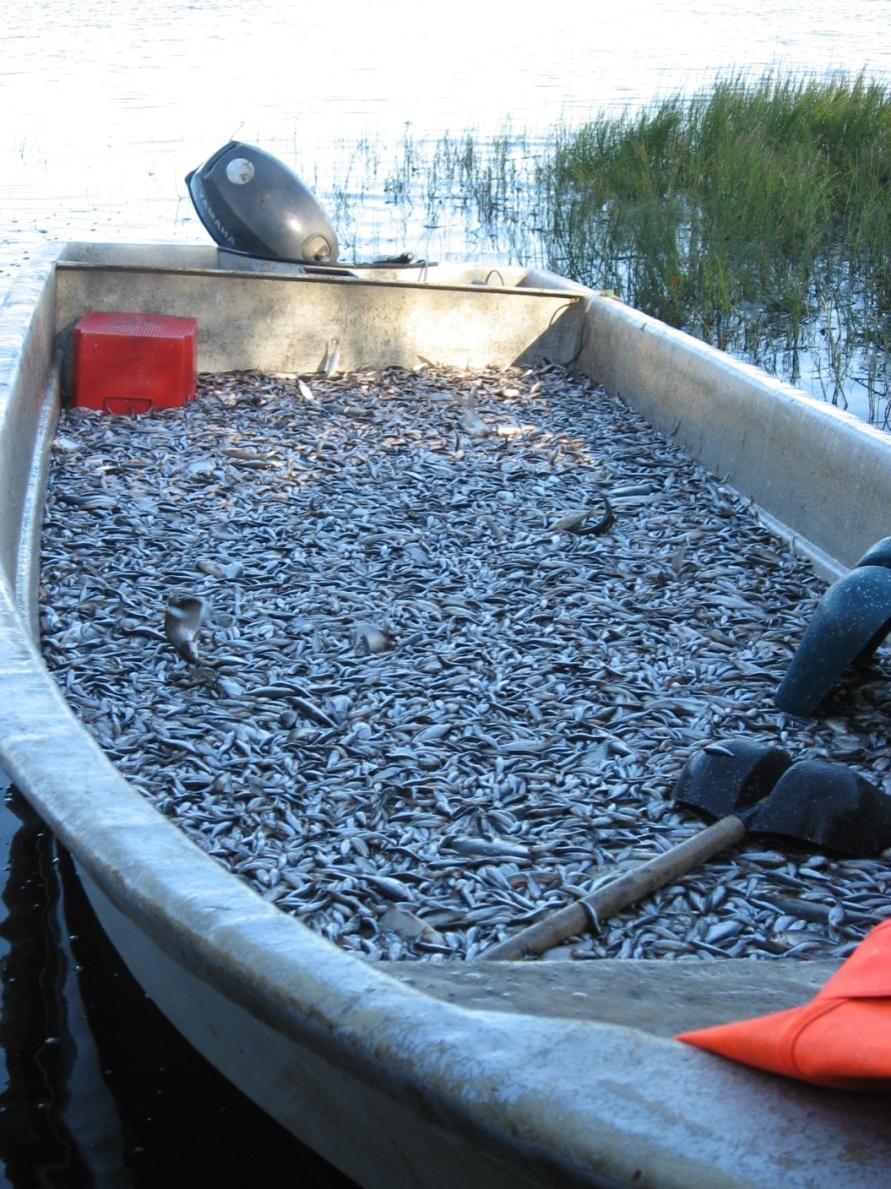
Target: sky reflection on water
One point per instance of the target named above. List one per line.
(106, 110)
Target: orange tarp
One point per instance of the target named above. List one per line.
(841, 1038)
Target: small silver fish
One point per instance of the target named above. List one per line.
(473, 424)
(490, 847)
(182, 624)
(410, 926)
(718, 749)
(367, 638)
(580, 521)
(332, 355)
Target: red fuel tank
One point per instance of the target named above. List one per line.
(133, 363)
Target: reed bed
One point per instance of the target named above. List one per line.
(753, 214)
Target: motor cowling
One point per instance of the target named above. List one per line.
(253, 204)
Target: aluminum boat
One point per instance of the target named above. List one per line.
(434, 1074)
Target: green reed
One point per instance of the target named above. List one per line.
(753, 214)
(747, 213)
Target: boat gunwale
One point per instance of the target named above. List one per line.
(574, 294)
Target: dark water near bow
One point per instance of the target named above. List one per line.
(98, 1088)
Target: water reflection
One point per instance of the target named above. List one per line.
(98, 1089)
(105, 111)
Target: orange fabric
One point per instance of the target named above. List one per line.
(841, 1038)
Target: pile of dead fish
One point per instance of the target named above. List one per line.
(462, 632)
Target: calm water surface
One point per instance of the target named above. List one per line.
(105, 108)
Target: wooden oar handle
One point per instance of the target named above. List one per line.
(612, 897)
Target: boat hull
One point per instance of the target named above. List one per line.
(481, 1075)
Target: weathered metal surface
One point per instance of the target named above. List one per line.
(816, 470)
(28, 412)
(393, 1083)
(288, 324)
(662, 998)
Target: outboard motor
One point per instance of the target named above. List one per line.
(254, 205)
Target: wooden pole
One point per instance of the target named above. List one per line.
(625, 889)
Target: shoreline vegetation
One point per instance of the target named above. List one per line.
(753, 214)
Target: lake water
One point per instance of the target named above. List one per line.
(105, 109)
(97, 1088)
